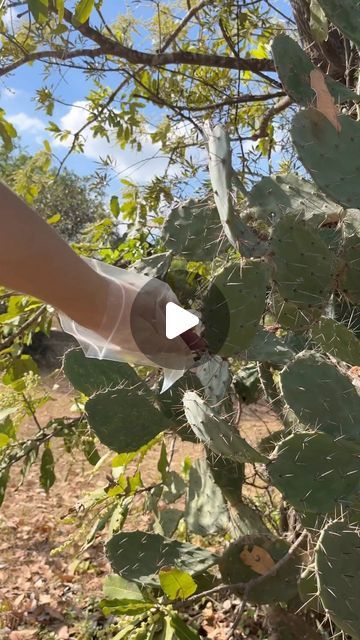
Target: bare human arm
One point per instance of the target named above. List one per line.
(35, 260)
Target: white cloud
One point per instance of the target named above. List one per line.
(24, 123)
(141, 166)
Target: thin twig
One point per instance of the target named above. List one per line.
(9, 341)
(190, 14)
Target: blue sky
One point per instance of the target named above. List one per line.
(17, 93)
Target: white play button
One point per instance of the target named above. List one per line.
(178, 320)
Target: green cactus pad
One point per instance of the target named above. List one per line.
(321, 396)
(228, 475)
(294, 68)
(349, 276)
(215, 378)
(90, 375)
(308, 590)
(222, 178)
(236, 296)
(193, 229)
(124, 420)
(246, 383)
(155, 266)
(290, 317)
(345, 15)
(334, 338)
(138, 556)
(218, 435)
(171, 401)
(238, 564)
(305, 267)
(319, 146)
(314, 473)
(267, 347)
(274, 196)
(337, 562)
(206, 511)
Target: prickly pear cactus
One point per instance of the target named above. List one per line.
(304, 265)
(337, 561)
(254, 555)
(319, 146)
(314, 473)
(280, 309)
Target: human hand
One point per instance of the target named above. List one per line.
(132, 322)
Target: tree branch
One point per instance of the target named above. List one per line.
(242, 98)
(283, 104)
(114, 48)
(56, 54)
(11, 339)
(190, 14)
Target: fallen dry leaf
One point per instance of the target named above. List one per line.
(257, 559)
(325, 103)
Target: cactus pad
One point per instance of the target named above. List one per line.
(274, 196)
(319, 146)
(218, 435)
(192, 229)
(236, 297)
(206, 511)
(90, 375)
(124, 420)
(321, 396)
(334, 338)
(349, 280)
(314, 473)
(290, 317)
(138, 556)
(228, 475)
(294, 68)
(221, 175)
(337, 563)
(253, 555)
(155, 266)
(345, 15)
(305, 268)
(267, 347)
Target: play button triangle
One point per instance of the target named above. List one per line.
(178, 320)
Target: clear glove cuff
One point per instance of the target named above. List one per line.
(94, 345)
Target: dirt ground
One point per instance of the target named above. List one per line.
(44, 596)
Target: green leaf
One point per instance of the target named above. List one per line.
(319, 26)
(7, 133)
(60, 9)
(176, 584)
(83, 10)
(115, 206)
(163, 462)
(39, 10)
(54, 219)
(16, 371)
(47, 473)
(117, 588)
(182, 630)
(125, 607)
(4, 439)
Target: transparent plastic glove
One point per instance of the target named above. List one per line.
(126, 315)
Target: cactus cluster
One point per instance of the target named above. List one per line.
(284, 299)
